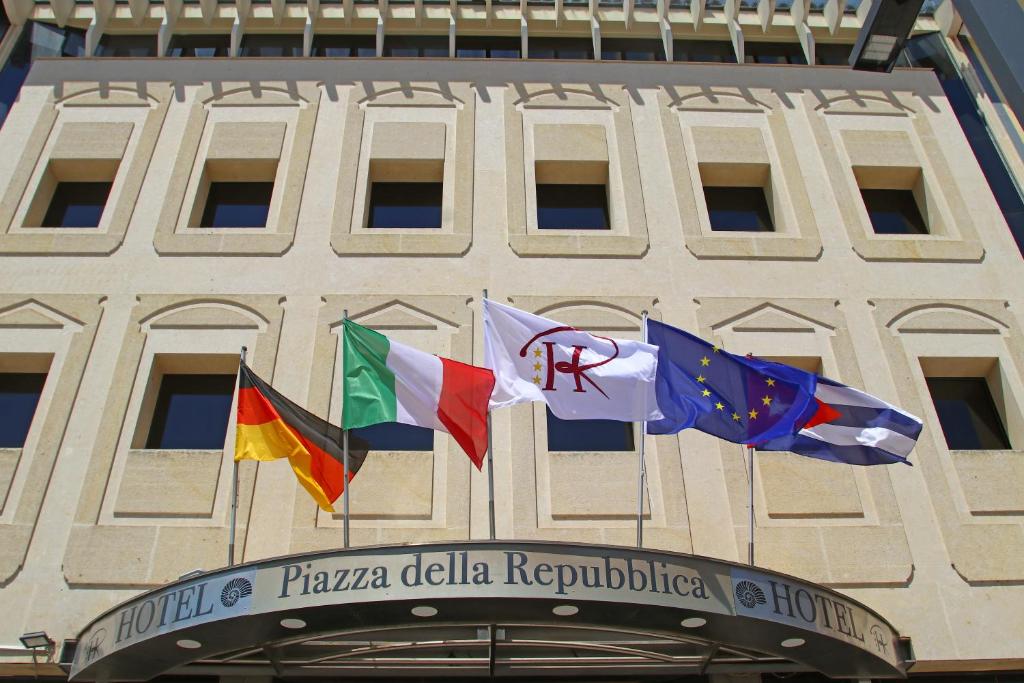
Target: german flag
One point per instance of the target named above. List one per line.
(271, 427)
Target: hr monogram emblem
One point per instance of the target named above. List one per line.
(573, 367)
(880, 640)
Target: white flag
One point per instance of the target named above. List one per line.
(579, 375)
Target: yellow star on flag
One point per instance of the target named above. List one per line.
(536, 352)
(736, 417)
(537, 366)
(716, 349)
(770, 381)
(705, 393)
(701, 378)
(767, 400)
(705, 361)
(536, 379)
(753, 414)
(720, 406)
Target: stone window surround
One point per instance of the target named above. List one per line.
(86, 108)
(837, 121)
(666, 524)
(441, 324)
(683, 109)
(165, 351)
(984, 543)
(151, 551)
(838, 550)
(64, 327)
(573, 104)
(454, 109)
(230, 103)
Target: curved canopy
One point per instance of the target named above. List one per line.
(490, 608)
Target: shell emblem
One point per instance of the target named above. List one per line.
(750, 594)
(235, 590)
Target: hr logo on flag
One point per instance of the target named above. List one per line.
(573, 367)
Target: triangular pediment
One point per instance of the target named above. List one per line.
(399, 316)
(34, 315)
(771, 318)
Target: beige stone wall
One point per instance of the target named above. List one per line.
(88, 516)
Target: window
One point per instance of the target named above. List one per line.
(416, 46)
(200, 45)
(5, 23)
(19, 396)
(836, 54)
(738, 209)
(967, 413)
(77, 205)
(894, 212)
(271, 45)
(405, 205)
(632, 50)
(341, 45)
(561, 48)
(774, 53)
(126, 46)
(703, 51)
(488, 47)
(191, 412)
(394, 436)
(572, 207)
(237, 205)
(588, 435)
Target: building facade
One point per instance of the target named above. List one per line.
(180, 180)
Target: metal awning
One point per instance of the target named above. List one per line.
(483, 609)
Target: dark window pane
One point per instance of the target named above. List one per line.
(394, 436)
(703, 51)
(774, 53)
(4, 22)
(342, 45)
(632, 50)
(416, 46)
(572, 207)
(492, 47)
(76, 205)
(192, 412)
(967, 413)
(405, 205)
(741, 209)
(19, 396)
(837, 54)
(588, 435)
(200, 45)
(561, 48)
(271, 45)
(113, 45)
(894, 212)
(237, 205)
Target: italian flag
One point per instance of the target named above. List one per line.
(385, 381)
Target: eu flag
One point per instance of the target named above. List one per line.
(741, 399)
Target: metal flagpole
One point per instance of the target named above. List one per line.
(344, 434)
(490, 467)
(234, 490)
(641, 473)
(750, 545)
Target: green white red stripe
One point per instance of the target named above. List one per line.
(385, 381)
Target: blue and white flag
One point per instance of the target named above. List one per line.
(852, 427)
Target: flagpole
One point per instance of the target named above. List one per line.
(750, 545)
(344, 438)
(490, 466)
(234, 489)
(641, 470)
